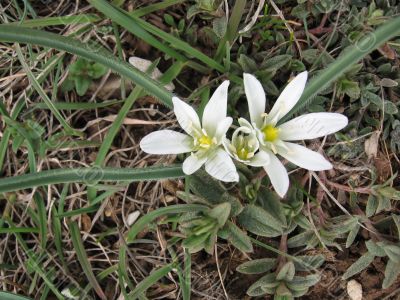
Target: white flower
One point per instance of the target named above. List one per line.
(244, 146)
(203, 140)
(274, 139)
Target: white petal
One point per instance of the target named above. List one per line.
(221, 167)
(143, 64)
(255, 98)
(261, 159)
(305, 158)
(311, 126)
(132, 217)
(244, 123)
(277, 174)
(215, 110)
(288, 98)
(222, 128)
(186, 116)
(227, 146)
(166, 142)
(192, 163)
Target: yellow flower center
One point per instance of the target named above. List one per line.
(270, 133)
(243, 153)
(205, 141)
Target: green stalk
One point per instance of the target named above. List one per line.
(89, 176)
(84, 260)
(150, 280)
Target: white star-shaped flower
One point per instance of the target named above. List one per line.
(276, 139)
(203, 139)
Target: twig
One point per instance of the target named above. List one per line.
(219, 272)
(282, 248)
(289, 28)
(360, 190)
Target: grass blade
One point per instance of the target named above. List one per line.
(10, 296)
(90, 51)
(187, 277)
(140, 12)
(19, 230)
(61, 20)
(42, 220)
(76, 105)
(232, 28)
(89, 176)
(83, 259)
(150, 280)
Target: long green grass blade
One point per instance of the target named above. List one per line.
(76, 105)
(42, 220)
(84, 260)
(88, 176)
(10, 296)
(351, 56)
(19, 230)
(187, 276)
(140, 12)
(90, 51)
(150, 280)
(232, 28)
(61, 20)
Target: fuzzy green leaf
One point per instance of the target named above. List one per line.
(352, 235)
(257, 266)
(391, 272)
(82, 84)
(393, 252)
(261, 286)
(362, 263)
(286, 273)
(372, 205)
(396, 219)
(375, 248)
(238, 238)
(259, 221)
(305, 281)
(220, 213)
(309, 262)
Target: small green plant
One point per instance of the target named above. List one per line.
(282, 283)
(81, 74)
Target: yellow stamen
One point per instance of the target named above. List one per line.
(270, 133)
(205, 141)
(243, 154)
